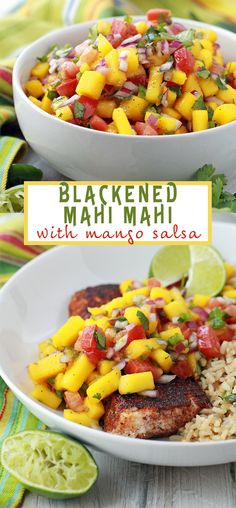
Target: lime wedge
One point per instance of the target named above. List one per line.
(207, 273)
(170, 264)
(49, 464)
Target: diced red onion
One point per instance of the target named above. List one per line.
(192, 325)
(176, 28)
(166, 66)
(216, 45)
(149, 393)
(212, 98)
(173, 46)
(201, 312)
(165, 47)
(120, 325)
(189, 126)
(121, 365)
(110, 353)
(158, 302)
(152, 120)
(71, 100)
(164, 100)
(65, 359)
(181, 357)
(149, 51)
(121, 343)
(214, 75)
(216, 68)
(166, 378)
(141, 51)
(195, 93)
(81, 47)
(161, 342)
(134, 88)
(131, 40)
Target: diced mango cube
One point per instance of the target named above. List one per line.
(200, 300)
(230, 293)
(170, 332)
(171, 97)
(46, 347)
(171, 112)
(132, 59)
(175, 308)
(199, 120)
(163, 359)
(135, 314)
(58, 381)
(167, 124)
(178, 77)
(77, 374)
(208, 86)
(84, 67)
(112, 128)
(206, 56)
(105, 366)
(68, 333)
(192, 84)
(64, 113)
(228, 95)
(192, 361)
(42, 393)
(35, 101)
(104, 27)
(135, 383)
(207, 44)
(154, 85)
(105, 108)
(94, 407)
(184, 105)
(40, 70)
(225, 113)
(82, 418)
(231, 67)
(130, 295)
(181, 130)
(141, 27)
(207, 34)
(135, 108)
(175, 294)
(46, 104)
(141, 347)
(34, 88)
(104, 46)
(121, 122)
(160, 293)
(229, 270)
(91, 84)
(47, 367)
(125, 285)
(104, 386)
(116, 303)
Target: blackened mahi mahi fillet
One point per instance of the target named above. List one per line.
(92, 297)
(145, 417)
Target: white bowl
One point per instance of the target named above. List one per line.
(82, 153)
(34, 303)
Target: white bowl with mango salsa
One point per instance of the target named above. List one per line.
(34, 306)
(156, 102)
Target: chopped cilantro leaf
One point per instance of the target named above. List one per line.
(120, 318)
(199, 104)
(97, 396)
(217, 187)
(60, 394)
(176, 89)
(210, 113)
(52, 95)
(184, 317)
(221, 83)
(203, 73)
(100, 339)
(43, 58)
(79, 109)
(186, 37)
(211, 124)
(175, 339)
(204, 173)
(216, 318)
(63, 52)
(142, 91)
(143, 319)
(128, 19)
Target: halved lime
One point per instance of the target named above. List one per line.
(170, 264)
(207, 273)
(49, 464)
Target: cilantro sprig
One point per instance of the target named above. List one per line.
(217, 318)
(143, 319)
(100, 339)
(220, 197)
(199, 104)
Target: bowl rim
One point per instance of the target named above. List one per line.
(17, 87)
(86, 432)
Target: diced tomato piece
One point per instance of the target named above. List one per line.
(135, 332)
(208, 342)
(153, 283)
(184, 60)
(176, 28)
(149, 131)
(74, 401)
(67, 87)
(179, 348)
(231, 311)
(89, 106)
(124, 30)
(69, 70)
(98, 123)
(89, 344)
(135, 366)
(182, 369)
(225, 334)
(158, 14)
(139, 128)
(140, 79)
(214, 302)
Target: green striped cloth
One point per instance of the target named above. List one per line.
(13, 415)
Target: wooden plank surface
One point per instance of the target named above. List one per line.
(124, 484)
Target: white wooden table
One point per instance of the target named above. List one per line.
(124, 484)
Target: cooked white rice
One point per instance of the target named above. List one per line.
(218, 379)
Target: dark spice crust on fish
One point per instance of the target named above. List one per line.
(144, 417)
(92, 297)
